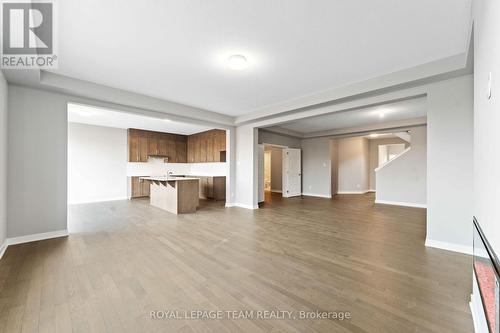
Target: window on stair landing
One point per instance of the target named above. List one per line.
(388, 152)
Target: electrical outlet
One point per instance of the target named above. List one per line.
(358, 185)
(310, 187)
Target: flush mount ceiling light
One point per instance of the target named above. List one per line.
(237, 62)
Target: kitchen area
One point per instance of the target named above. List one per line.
(175, 171)
(115, 156)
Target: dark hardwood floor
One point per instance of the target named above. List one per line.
(125, 259)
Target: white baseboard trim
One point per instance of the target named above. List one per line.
(448, 246)
(37, 237)
(240, 205)
(399, 203)
(100, 200)
(3, 247)
(276, 191)
(370, 190)
(316, 195)
(477, 309)
(353, 192)
(32, 238)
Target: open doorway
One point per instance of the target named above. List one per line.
(355, 159)
(280, 172)
(267, 171)
(273, 171)
(137, 162)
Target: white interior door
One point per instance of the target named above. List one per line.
(292, 172)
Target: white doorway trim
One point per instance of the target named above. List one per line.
(261, 148)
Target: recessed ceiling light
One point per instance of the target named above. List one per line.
(237, 62)
(374, 135)
(166, 120)
(381, 114)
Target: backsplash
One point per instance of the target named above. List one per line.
(208, 169)
(156, 167)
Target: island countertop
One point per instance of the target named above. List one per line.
(168, 179)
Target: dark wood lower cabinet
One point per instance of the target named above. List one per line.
(212, 188)
(219, 188)
(139, 188)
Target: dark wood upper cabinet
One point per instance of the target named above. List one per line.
(209, 146)
(143, 148)
(181, 151)
(163, 146)
(153, 144)
(190, 148)
(133, 146)
(203, 147)
(143, 144)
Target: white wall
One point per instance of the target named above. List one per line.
(278, 139)
(37, 162)
(97, 163)
(353, 165)
(450, 160)
(3, 162)
(486, 119)
(403, 180)
(374, 143)
(230, 166)
(247, 181)
(316, 163)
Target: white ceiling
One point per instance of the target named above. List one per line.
(408, 109)
(177, 50)
(90, 115)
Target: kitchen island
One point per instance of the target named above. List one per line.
(178, 195)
